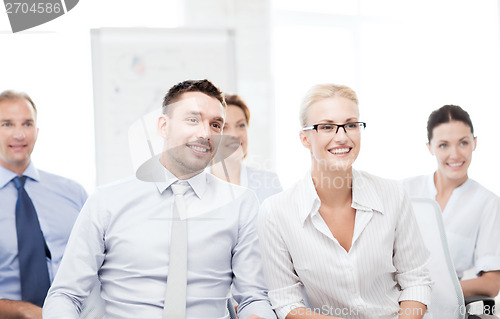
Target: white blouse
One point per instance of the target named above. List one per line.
(385, 265)
(472, 223)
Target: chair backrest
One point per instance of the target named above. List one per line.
(447, 297)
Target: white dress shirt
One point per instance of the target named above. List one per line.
(386, 263)
(471, 220)
(122, 236)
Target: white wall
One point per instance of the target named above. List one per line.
(52, 63)
(251, 22)
(404, 58)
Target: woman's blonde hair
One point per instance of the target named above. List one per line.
(324, 91)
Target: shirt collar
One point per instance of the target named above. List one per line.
(432, 186)
(363, 196)
(32, 172)
(307, 192)
(7, 175)
(198, 182)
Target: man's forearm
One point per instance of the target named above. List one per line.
(13, 309)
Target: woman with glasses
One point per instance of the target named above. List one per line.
(345, 238)
(235, 141)
(471, 213)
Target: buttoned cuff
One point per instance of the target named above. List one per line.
(417, 293)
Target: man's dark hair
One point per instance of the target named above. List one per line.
(203, 86)
(446, 114)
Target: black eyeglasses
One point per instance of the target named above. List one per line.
(352, 127)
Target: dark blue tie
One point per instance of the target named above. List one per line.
(32, 249)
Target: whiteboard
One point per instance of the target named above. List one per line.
(133, 68)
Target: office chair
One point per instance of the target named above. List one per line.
(447, 301)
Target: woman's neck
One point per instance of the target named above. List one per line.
(444, 184)
(334, 187)
(445, 187)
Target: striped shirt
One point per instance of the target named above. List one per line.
(386, 264)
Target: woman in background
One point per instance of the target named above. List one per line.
(471, 213)
(347, 238)
(263, 183)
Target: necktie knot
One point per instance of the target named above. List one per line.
(19, 181)
(180, 189)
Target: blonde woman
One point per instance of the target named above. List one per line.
(347, 238)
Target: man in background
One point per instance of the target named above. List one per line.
(37, 212)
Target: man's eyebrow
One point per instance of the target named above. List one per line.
(220, 119)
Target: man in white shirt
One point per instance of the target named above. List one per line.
(122, 236)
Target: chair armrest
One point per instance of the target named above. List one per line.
(490, 301)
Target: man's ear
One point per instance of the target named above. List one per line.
(162, 125)
(304, 138)
(475, 143)
(36, 135)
